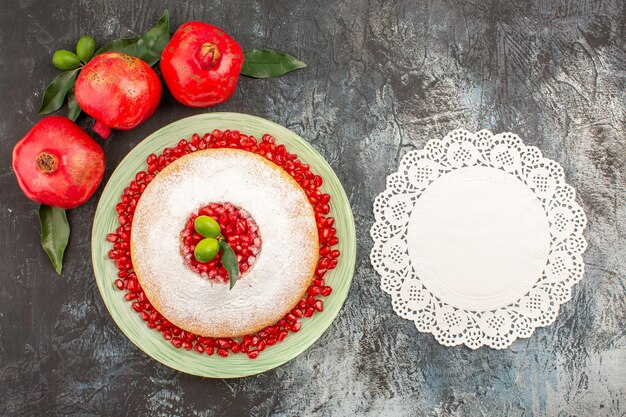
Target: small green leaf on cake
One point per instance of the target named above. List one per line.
(229, 260)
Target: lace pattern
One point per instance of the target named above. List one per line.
(390, 256)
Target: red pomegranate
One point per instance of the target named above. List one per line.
(57, 163)
(201, 65)
(118, 90)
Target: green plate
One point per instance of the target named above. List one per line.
(151, 341)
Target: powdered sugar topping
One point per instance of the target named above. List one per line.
(282, 270)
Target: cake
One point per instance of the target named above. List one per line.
(275, 278)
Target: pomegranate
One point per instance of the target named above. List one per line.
(57, 163)
(201, 65)
(118, 90)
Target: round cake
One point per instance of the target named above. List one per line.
(275, 280)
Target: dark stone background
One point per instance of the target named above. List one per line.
(383, 78)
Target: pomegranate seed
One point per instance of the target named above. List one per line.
(187, 345)
(222, 352)
(313, 290)
(167, 335)
(199, 348)
(177, 343)
(309, 311)
(130, 296)
(326, 291)
(261, 346)
(111, 237)
(209, 350)
(132, 285)
(119, 284)
(319, 305)
(224, 343)
(296, 327)
(253, 355)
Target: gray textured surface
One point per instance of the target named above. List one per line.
(383, 77)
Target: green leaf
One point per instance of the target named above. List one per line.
(266, 63)
(229, 260)
(55, 232)
(55, 93)
(147, 47)
(72, 106)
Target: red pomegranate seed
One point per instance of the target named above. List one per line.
(111, 237)
(261, 346)
(130, 296)
(319, 305)
(187, 345)
(119, 284)
(253, 355)
(235, 348)
(296, 327)
(167, 335)
(326, 291)
(132, 285)
(224, 343)
(209, 350)
(177, 343)
(309, 311)
(222, 352)
(313, 290)
(199, 348)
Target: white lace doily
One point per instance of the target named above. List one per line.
(478, 239)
